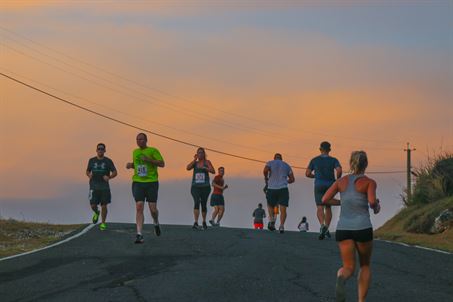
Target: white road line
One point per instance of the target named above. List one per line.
(416, 246)
(86, 229)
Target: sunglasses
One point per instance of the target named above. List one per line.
(101, 149)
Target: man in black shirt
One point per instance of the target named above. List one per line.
(100, 170)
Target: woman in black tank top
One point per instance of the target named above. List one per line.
(201, 187)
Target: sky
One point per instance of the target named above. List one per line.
(250, 78)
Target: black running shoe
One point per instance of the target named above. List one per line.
(212, 222)
(271, 226)
(195, 226)
(157, 230)
(139, 239)
(205, 226)
(328, 234)
(322, 232)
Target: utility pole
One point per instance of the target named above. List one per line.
(409, 184)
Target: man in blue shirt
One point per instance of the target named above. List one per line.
(322, 168)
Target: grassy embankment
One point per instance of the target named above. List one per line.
(19, 236)
(418, 216)
(432, 194)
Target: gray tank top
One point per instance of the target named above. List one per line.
(354, 214)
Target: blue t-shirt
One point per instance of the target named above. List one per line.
(324, 167)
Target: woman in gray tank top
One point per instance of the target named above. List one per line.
(354, 232)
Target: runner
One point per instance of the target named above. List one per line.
(258, 217)
(354, 230)
(322, 169)
(303, 225)
(277, 175)
(100, 170)
(200, 185)
(217, 200)
(145, 183)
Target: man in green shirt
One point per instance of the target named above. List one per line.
(145, 182)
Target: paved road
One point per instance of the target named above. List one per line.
(217, 265)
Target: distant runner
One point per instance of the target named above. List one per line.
(145, 183)
(303, 225)
(217, 199)
(200, 185)
(322, 169)
(258, 217)
(100, 170)
(354, 232)
(277, 175)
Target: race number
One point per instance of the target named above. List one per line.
(199, 178)
(142, 170)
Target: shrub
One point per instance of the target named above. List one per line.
(434, 180)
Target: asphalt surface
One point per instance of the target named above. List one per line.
(219, 264)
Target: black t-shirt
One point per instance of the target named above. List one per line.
(99, 168)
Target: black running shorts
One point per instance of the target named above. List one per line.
(145, 191)
(358, 236)
(277, 197)
(100, 196)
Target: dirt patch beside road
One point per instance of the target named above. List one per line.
(20, 236)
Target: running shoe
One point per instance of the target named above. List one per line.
(139, 239)
(195, 226)
(322, 232)
(103, 226)
(205, 226)
(281, 229)
(271, 226)
(212, 222)
(328, 234)
(217, 224)
(95, 217)
(340, 291)
(157, 230)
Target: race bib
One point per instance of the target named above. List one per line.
(142, 170)
(199, 178)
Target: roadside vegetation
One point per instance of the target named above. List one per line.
(20, 236)
(432, 195)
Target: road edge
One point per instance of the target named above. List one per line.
(85, 230)
(415, 246)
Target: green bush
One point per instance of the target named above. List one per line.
(434, 180)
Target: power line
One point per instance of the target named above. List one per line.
(131, 125)
(152, 132)
(142, 119)
(193, 114)
(226, 123)
(137, 94)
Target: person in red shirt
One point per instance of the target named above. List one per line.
(217, 200)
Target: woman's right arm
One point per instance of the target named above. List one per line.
(328, 198)
(192, 164)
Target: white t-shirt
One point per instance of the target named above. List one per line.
(303, 227)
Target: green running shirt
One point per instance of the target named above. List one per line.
(145, 171)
